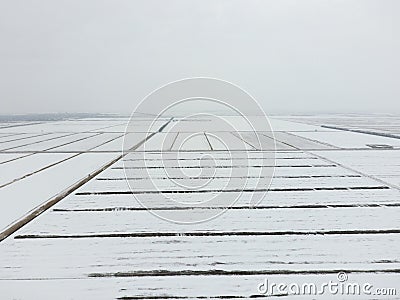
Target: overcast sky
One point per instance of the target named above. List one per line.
(292, 56)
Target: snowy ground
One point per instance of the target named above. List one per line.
(333, 205)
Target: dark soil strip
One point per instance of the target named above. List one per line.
(38, 142)
(229, 177)
(233, 190)
(37, 171)
(312, 153)
(208, 141)
(295, 150)
(48, 149)
(5, 136)
(144, 297)
(16, 158)
(165, 125)
(69, 151)
(355, 171)
(216, 158)
(206, 233)
(224, 167)
(312, 140)
(104, 143)
(45, 206)
(102, 128)
(180, 297)
(25, 137)
(173, 142)
(153, 273)
(21, 125)
(389, 135)
(194, 152)
(78, 140)
(301, 206)
(48, 204)
(245, 141)
(56, 163)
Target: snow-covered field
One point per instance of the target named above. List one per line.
(73, 227)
